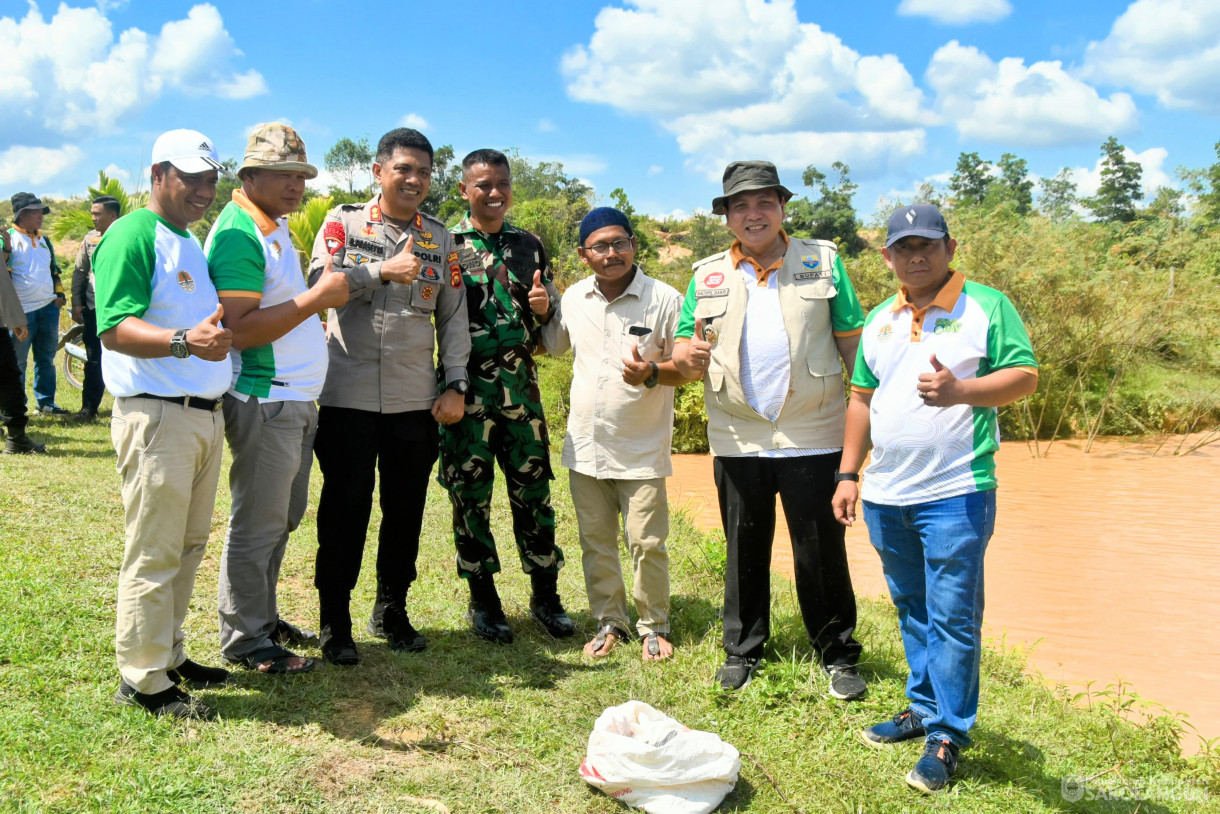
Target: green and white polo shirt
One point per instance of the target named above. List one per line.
(923, 453)
(146, 268)
(251, 255)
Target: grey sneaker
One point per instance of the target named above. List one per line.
(736, 672)
(845, 682)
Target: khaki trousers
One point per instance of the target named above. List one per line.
(644, 509)
(169, 462)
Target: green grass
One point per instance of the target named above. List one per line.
(471, 727)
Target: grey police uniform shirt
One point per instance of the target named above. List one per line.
(82, 274)
(381, 342)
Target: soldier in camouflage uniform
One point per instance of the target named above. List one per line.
(509, 295)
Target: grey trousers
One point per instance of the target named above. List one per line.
(272, 447)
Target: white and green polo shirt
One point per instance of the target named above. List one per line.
(251, 255)
(923, 453)
(146, 268)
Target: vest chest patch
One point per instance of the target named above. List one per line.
(369, 247)
(812, 275)
(705, 293)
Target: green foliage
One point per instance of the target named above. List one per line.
(75, 221)
(705, 235)
(690, 419)
(305, 223)
(1209, 193)
(1120, 185)
(551, 205)
(349, 160)
(1014, 185)
(444, 198)
(832, 216)
(1057, 196)
(224, 194)
(645, 242)
(970, 181)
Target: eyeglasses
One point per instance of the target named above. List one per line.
(620, 246)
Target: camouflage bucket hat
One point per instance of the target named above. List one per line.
(276, 146)
(746, 176)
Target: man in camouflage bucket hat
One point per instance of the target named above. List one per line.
(510, 294)
(279, 365)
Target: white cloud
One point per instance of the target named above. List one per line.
(957, 12)
(1152, 162)
(36, 165)
(414, 121)
(1166, 48)
(546, 126)
(69, 75)
(655, 169)
(1009, 103)
(727, 75)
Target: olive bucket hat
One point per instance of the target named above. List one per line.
(276, 146)
(746, 176)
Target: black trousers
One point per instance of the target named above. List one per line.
(805, 484)
(91, 398)
(353, 447)
(12, 394)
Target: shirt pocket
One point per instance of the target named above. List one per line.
(822, 358)
(424, 294)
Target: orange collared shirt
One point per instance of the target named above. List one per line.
(946, 298)
(737, 255)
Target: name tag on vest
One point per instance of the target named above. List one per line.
(812, 275)
(703, 293)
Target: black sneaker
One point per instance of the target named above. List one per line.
(400, 633)
(198, 675)
(22, 444)
(338, 647)
(171, 703)
(845, 682)
(85, 414)
(905, 725)
(53, 409)
(489, 623)
(736, 672)
(933, 771)
(549, 613)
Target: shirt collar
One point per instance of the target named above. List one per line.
(261, 219)
(466, 226)
(635, 288)
(946, 298)
(34, 236)
(737, 255)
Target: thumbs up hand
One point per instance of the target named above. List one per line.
(403, 267)
(940, 388)
(331, 288)
(540, 300)
(208, 340)
(636, 370)
(692, 358)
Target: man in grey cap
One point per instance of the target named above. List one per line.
(36, 278)
(766, 324)
(279, 366)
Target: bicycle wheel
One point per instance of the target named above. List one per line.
(74, 365)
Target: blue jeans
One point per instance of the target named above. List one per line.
(932, 554)
(44, 339)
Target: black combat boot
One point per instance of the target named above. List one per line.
(546, 608)
(18, 443)
(335, 638)
(486, 614)
(389, 621)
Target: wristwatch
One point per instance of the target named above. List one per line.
(460, 385)
(654, 377)
(842, 476)
(177, 345)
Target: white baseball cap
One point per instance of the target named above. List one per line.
(188, 150)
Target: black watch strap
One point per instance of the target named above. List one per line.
(842, 476)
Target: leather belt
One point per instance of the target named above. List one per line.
(211, 405)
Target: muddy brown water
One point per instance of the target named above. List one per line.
(1106, 562)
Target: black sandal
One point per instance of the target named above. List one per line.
(277, 660)
(599, 641)
(652, 645)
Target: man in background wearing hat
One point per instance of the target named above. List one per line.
(167, 365)
(380, 406)
(620, 323)
(279, 366)
(510, 294)
(766, 324)
(105, 210)
(36, 278)
(12, 394)
(935, 362)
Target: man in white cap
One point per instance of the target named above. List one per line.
(158, 314)
(279, 365)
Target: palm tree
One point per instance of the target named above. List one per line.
(305, 223)
(76, 222)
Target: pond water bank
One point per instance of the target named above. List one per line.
(1107, 561)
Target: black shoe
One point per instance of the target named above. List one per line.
(22, 444)
(489, 624)
(399, 632)
(288, 633)
(549, 613)
(171, 703)
(338, 647)
(53, 409)
(905, 726)
(85, 414)
(197, 675)
(736, 672)
(845, 682)
(935, 769)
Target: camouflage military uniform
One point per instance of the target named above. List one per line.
(503, 420)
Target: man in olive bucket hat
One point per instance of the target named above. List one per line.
(279, 364)
(765, 325)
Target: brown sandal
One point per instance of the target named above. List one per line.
(607, 637)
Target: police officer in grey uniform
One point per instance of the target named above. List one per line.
(380, 408)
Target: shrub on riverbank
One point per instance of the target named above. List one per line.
(466, 726)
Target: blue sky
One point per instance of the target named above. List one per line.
(654, 96)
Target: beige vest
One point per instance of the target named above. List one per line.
(813, 412)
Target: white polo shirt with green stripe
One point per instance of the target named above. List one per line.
(251, 255)
(923, 453)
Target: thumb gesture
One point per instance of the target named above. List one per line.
(217, 315)
(699, 328)
(936, 365)
(635, 370)
(540, 300)
(410, 243)
(938, 388)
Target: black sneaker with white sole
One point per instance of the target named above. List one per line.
(171, 703)
(736, 672)
(845, 683)
(904, 726)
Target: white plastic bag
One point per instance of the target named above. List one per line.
(649, 761)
